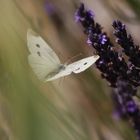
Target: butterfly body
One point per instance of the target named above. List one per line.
(53, 74)
(46, 64)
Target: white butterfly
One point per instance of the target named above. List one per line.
(46, 64)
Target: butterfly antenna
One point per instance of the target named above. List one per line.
(69, 60)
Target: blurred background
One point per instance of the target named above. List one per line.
(77, 107)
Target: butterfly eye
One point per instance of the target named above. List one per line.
(37, 45)
(85, 63)
(39, 53)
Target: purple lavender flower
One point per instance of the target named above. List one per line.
(125, 40)
(103, 39)
(111, 64)
(89, 42)
(123, 76)
(125, 92)
(131, 106)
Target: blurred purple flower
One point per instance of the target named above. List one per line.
(54, 15)
(89, 42)
(49, 7)
(131, 106)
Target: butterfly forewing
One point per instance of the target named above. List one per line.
(37, 45)
(82, 64)
(42, 58)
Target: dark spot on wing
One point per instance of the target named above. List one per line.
(37, 45)
(39, 53)
(85, 63)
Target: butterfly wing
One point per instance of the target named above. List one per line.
(83, 64)
(60, 73)
(75, 67)
(37, 45)
(42, 58)
(41, 66)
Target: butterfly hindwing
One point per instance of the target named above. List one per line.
(41, 66)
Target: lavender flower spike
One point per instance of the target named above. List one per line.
(123, 77)
(130, 49)
(125, 40)
(111, 64)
